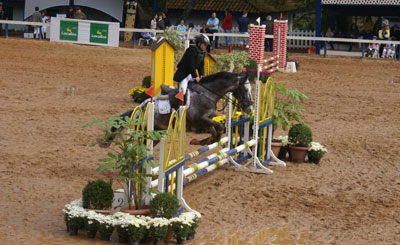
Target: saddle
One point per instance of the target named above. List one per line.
(171, 93)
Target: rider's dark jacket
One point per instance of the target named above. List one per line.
(192, 59)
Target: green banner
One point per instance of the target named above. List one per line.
(99, 33)
(68, 30)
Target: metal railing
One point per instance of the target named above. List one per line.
(299, 39)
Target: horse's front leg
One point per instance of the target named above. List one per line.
(216, 129)
(107, 139)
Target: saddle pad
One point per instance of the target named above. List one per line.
(164, 107)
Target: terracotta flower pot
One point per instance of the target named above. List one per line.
(276, 147)
(145, 210)
(298, 153)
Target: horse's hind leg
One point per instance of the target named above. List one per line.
(216, 130)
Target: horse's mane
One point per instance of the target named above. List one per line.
(217, 76)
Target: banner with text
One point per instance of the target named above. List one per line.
(85, 32)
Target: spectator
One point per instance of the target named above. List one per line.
(388, 50)
(153, 25)
(353, 34)
(147, 36)
(243, 23)
(70, 12)
(2, 17)
(45, 19)
(373, 48)
(227, 26)
(36, 17)
(192, 60)
(181, 27)
(160, 22)
(383, 34)
(212, 27)
(269, 30)
(167, 23)
(79, 14)
(192, 29)
(330, 34)
(203, 28)
(368, 28)
(396, 36)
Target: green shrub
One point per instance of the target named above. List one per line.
(136, 232)
(146, 82)
(315, 156)
(139, 94)
(252, 75)
(288, 106)
(172, 38)
(76, 222)
(240, 61)
(300, 135)
(181, 229)
(98, 195)
(164, 205)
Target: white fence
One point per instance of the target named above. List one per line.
(292, 44)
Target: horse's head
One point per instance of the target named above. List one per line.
(243, 94)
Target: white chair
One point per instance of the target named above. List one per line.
(143, 40)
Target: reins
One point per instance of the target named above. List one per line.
(234, 103)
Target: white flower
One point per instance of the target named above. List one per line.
(284, 140)
(159, 222)
(315, 146)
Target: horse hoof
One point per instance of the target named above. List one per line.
(195, 142)
(103, 143)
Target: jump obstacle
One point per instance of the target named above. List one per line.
(172, 172)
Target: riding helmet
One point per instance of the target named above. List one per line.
(202, 39)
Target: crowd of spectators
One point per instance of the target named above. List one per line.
(211, 26)
(380, 30)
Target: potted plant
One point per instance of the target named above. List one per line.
(159, 229)
(288, 106)
(132, 157)
(316, 152)
(181, 229)
(98, 195)
(280, 146)
(105, 227)
(74, 217)
(296, 61)
(137, 230)
(300, 137)
(164, 205)
(91, 224)
(146, 82)
(75, 223)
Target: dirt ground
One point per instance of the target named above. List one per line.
(49, 90)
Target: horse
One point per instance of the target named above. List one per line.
(204, 96)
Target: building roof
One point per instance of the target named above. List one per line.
(216, 5)
(238, 6)
(360, 2)
(155, 46)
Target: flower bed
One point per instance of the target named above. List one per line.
(138, 94)
(134, 227)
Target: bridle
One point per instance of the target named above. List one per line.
(239, 104)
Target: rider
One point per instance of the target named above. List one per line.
(192, 59)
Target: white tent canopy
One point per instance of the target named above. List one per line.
(114, 8)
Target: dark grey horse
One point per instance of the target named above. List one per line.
(203, 103)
